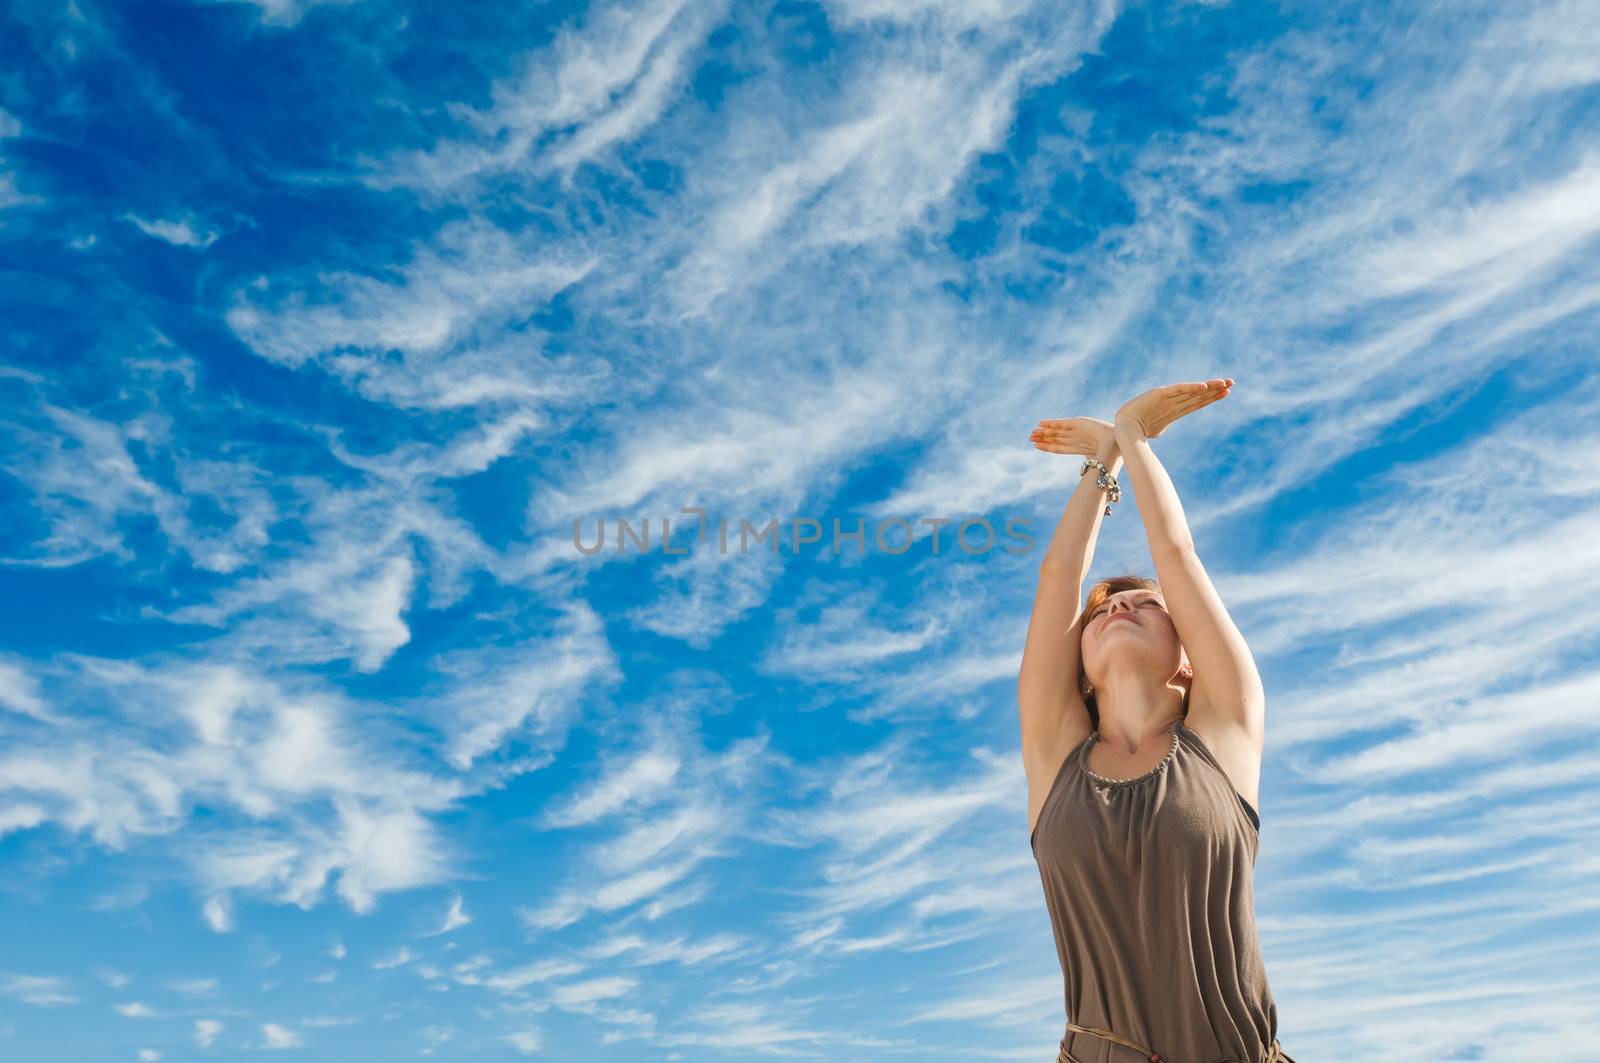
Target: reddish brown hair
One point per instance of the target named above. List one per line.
(1104, 588)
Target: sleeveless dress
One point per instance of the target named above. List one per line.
(1149, 884)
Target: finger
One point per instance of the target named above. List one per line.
(1196, 402)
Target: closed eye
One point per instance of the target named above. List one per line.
(1144, 601)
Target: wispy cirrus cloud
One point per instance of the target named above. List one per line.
(44, 991)
(291, 509)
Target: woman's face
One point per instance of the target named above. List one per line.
(1132, 624)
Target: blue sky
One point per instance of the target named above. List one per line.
(324, 322)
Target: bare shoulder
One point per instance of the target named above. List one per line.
(1234, 747)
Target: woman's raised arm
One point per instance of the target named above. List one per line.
(1053, 715)
(1226, 692)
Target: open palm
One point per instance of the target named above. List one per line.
(1073, 435)
(1150, 413)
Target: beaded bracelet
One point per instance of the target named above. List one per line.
(1105, 480)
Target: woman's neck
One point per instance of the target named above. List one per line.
(1134, 708)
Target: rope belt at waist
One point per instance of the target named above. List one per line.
(1275, 1054)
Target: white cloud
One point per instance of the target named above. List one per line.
(526, 1042)
(957, 14)
(458, 295)
(11, 196)
(529, 691)
(454, 919)
(195, 987)
(680, 950)
(21, 817)
(641, 777)
(276, 1036)
(278, 754)
(86, 480)
(286, 14)
(83, 477)
(519, 978)
(597, 85)
(1523, 232)
(397, 958)
(849, 639)
(206, 1032)
(319, 1022)
(433, 1037)
(218, 913)
(348, 602)
(671, 830)
(19, 691)
(577, 995)
(43, 991)
(181, 232)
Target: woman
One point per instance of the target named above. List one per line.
(1142, 727)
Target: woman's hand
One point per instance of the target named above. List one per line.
(1149, 414)
(1089, 436)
